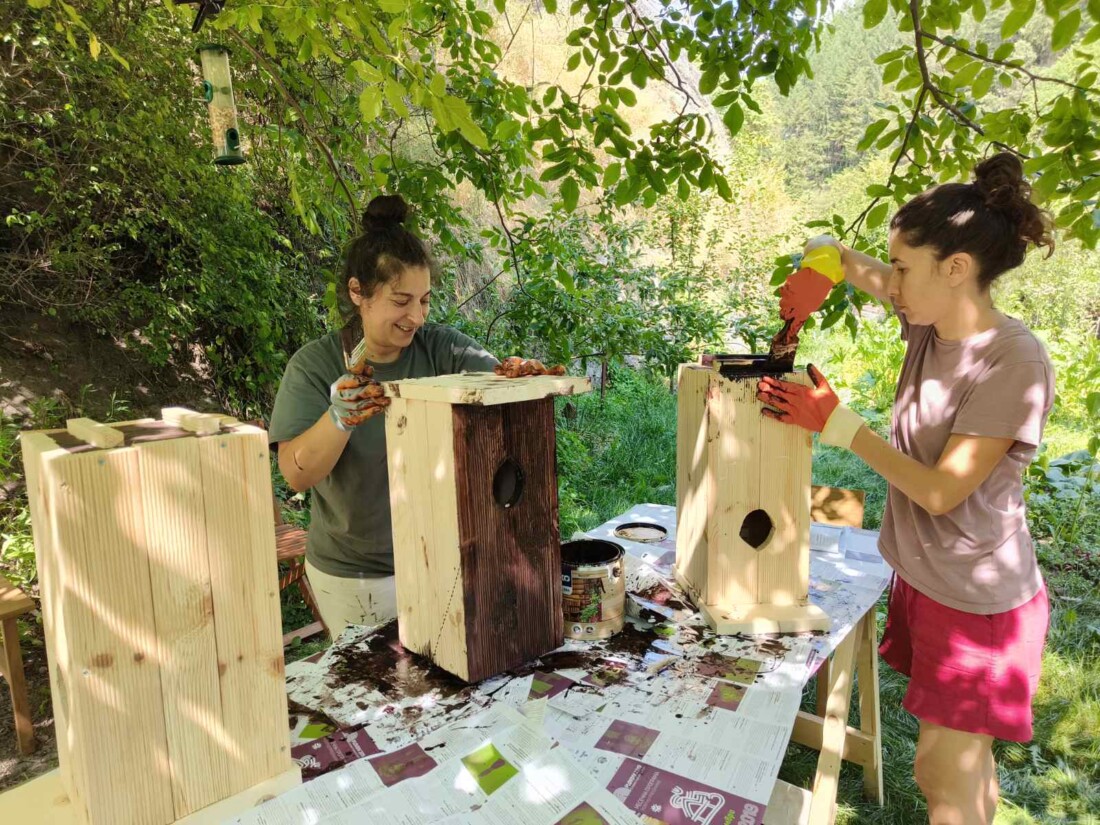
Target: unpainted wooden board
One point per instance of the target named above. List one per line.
(485, 388)
(734, 441)
(784, 465)
(240, 539)
(173, 500)
(106, 682)
(692, 504)
(96, 434)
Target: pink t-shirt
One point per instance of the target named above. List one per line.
(978, 557)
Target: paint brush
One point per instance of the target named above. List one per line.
(355, 348)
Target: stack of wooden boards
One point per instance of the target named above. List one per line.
(155, 548)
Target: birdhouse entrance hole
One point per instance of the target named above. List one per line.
(757, 529)
(508, 483)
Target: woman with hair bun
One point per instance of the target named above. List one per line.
(968, 610)
(326, 422)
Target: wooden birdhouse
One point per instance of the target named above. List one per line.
(156, 559)
(743, 506)
(474, 498)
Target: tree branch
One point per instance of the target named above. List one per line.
(274, 74)
(902, 152)
(926, 77)
(1006, 64)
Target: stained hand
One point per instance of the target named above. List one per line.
(516, 367)
(356, 398)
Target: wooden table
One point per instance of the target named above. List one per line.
(376, 701)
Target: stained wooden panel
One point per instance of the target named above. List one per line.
(511, 557)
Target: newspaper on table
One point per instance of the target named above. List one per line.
(664, 720)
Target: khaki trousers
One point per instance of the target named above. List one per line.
(352, 601)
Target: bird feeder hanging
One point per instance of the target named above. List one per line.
(218, 90)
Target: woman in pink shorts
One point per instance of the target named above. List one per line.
(968, 610)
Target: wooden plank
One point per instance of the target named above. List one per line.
(240, 539)
(788, 805)
(11, 667)
(44, 801)
(96, 434)
(39, 449)
(691, 475)
(411, 493)
(808, 730)
(837, 506)
(834, 733)
(443, 576)
(13, 601)
(784, 477)
(107, 677)
(193, 422)
(765, 618)
(511, 556)
(869, 717)
(733, 433)
(485, 388)
(173, 500)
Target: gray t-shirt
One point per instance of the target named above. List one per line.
(350, 533)
(979, 557)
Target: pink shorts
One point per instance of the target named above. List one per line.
(967, 671)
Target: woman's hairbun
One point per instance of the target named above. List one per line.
(1000, 181)
(385, 212)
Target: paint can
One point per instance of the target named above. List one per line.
(593, 587)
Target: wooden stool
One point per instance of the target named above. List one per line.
(290, 546)
(13, 604)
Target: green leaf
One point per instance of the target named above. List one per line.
(93, 47)
(506, 130)
(38, 4)
(877, 215)
(873, 131)
(723, 187)
(1093, 404)
(551, 6)
(370, 103)
(392, 6)
(570, 193)
(122, 61)
(984, 82)
(873, 12)
(683, 189)
(611, 175)
(559, 170)
(500, 5)
(395, 96)
(627, 96)
(733, 118)
(1094, 9)
(1015, 21)
(573, 62)
(1065, 29)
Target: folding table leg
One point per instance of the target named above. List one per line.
(834, 731)
(869, 717)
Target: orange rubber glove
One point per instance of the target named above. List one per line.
(815, 408)
(806, 290)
